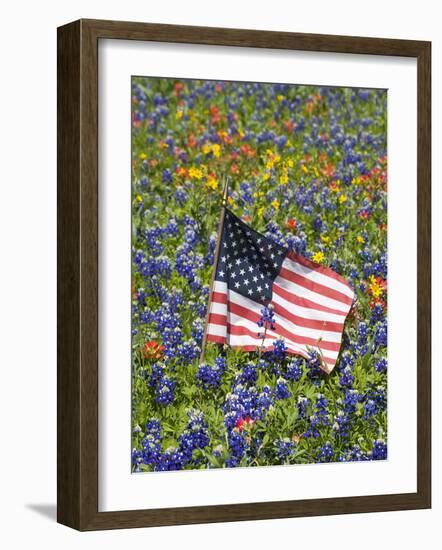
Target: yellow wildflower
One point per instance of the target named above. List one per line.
(284, 179)
(142, 156)
(280, 97)
(207, 148)
(316, 172)
(260, 211)
(216, 150)
(230, 201)
(139, 198)
(266, 176)
(290, 162)
(304, 168)
(325, 239)
(318, 257)
(179, 115)
(360, 239)
(195, 173)
(212, 182)
(375, 287)
(275, 204)
(342, 198)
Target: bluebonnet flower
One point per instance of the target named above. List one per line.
(284, 449)
(267, 319)
(281, 390)
(211, 376)
(381, 365)
(294, 370)
(326, 453)
(164, 394)
(379, 450)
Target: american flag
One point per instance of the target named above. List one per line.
(310, 301)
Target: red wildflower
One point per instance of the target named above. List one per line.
(377, 302)
(291, 224)
(178, 87)
(289, 125)
(191, 141)
(248, 151)
(152, 350)
(242, 423)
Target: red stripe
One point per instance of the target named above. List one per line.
(303, 302)
(319, 268)
(307, 323)
(314, 287)
(217, 319)
(280, 330)
(219, 297)
(216, 339)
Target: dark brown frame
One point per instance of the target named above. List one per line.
(77, 459)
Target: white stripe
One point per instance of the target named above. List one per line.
(217, 330)
(316, 334)
(219, 286)
(334, 337)
(239, 321)
(308, 313)
(317, 277)
(220, 309)
(303, 292)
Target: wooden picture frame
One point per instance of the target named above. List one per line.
(77, 461)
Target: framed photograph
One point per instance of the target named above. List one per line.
(243, 275)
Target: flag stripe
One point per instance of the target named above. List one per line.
(248, 308)
(245, 312)
(315, 298)
(321, 276)
(316, 310)
(317, 268)
(318, 288)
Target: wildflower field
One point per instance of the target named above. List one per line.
(307, 168)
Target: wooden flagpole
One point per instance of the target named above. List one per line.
(215, 263)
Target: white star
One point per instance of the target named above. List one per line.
(258, 240)
(246, 282)
(223, 259)
(236, 284)
(272, 255)
(250, 268)
(275, 264)
(230, 265)
(238, 261)
(269, 247)
(255, 278)
(250, 291)
(233, 274)
(242, 272)
(259, 288)
(221, 273)
(266, 285)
